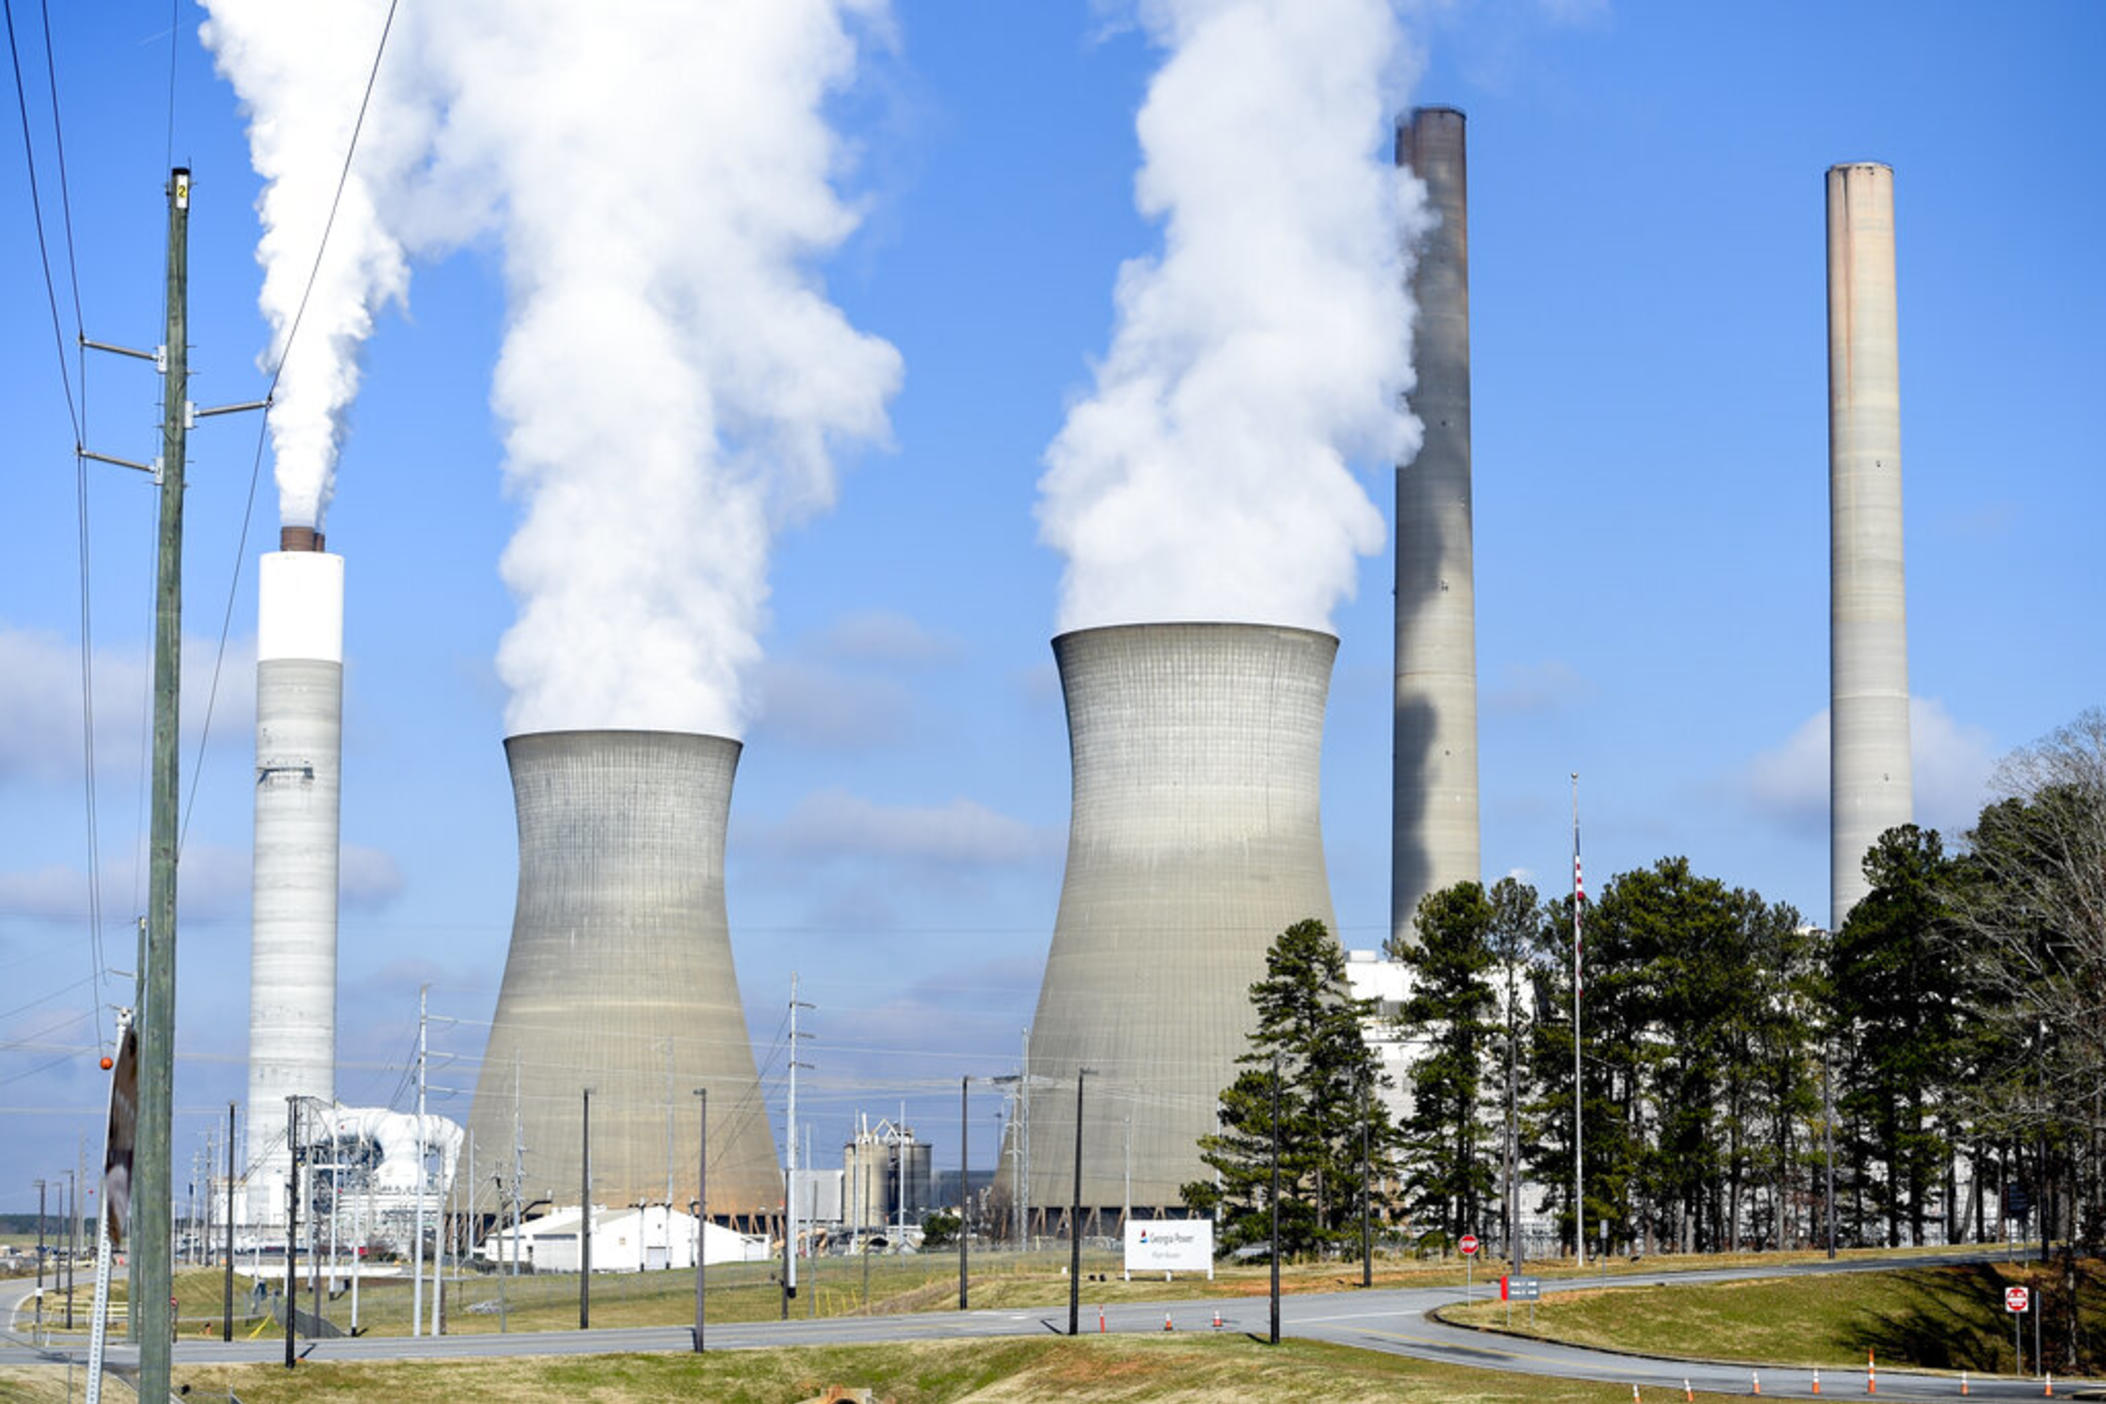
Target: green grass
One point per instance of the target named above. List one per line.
(1948, 1318)
(1115, 1369)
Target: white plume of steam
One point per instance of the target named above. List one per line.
(301, 72)
(1206, 476)
(674, 380)
(674, 383)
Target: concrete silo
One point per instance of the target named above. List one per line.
(1870, 784)
(619, 979)
(1195, 840)
(299, 751)
(1434, 829)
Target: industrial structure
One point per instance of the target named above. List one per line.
(1434, 830)
(619, 981)
(886, 1175)
(299, 752)
(1870, 788)
(1195, 839)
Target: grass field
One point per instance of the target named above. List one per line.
(1114, 1369)
(831, 1287)
(1939, 1318)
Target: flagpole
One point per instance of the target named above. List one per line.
(1579, 1180)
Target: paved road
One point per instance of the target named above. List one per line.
(1394, 1321)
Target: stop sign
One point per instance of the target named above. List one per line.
(2017, 1299)
(1469, 1247)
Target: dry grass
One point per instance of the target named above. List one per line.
(1938, 1318)
(1117, 1370)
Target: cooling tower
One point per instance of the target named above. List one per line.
(1870, 789)
(620, 978)
(1434, 744)
(1194, 841)
(292, 974)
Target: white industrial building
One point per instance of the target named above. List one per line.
(641, 1238)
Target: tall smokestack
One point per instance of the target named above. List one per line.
(1870, 789)
(1195, 840)
(299, 749)
(620, 977)
(1434, 833)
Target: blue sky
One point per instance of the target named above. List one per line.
(1650, 449)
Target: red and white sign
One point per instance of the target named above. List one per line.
(1469, 1246)
(2017, 1299)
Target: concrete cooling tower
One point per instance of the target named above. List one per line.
(1870, 785)
(1434, 785)
(620, 979)
(1194, 841)
(299, 729)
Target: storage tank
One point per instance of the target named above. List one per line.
(1194, 840)
(620, 979)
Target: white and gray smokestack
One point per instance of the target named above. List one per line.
(1434, 833)
(299, 731)
(1869, 786)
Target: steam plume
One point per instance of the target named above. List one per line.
(300, 71)
(1206, 476)
(674, 383)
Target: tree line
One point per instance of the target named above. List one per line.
(1942, 1056)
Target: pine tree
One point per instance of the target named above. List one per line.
(1309, 1028)
(1448, 1177)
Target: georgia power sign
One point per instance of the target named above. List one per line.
(1170, 1245)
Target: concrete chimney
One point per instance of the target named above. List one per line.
(299, 748)
(1194, 841)
(620, 978)
(1870, 788)
(1434, 833)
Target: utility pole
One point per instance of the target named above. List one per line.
(37, 1335)
(789, 1181)
(1513, 1133)
(1274, 1200)
(1023, 1118)
(423, 1151)
(1367, 1190)
(965, 1188)
(226, 1312)
(701, 1214)
(518, 1165)
(585, 1220)
(1828, 1138)
(152, 1272)
(1075, 1219)
(292, 1219)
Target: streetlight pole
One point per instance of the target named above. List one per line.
(1075, 1220)
(702, 1209)
(292, 1218)
(585, 1217)
(965, 1188)
(1275, 1200)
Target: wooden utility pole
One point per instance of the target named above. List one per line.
(151, 1270)
(585, 1216)
(1075, 1220)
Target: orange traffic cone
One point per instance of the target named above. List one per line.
(1817, 1382)
(1871, 1373)
(1687, 1392)
(1634, 1395)
(1963, 1383)
(1217, 1318)
(1100, 1321)
(1166, 1322)
(2050, 1391)
(1756, 1375)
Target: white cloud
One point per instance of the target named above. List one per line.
(809, 704)
(1951, 759)
(367, 879)
(963, 833)
(40, 695)
(887, 637)
(1532, 689)
(212, 884)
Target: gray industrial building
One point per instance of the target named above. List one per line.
(1870, 784)
(619, 979)
(1434, 832)
(1195, 840)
